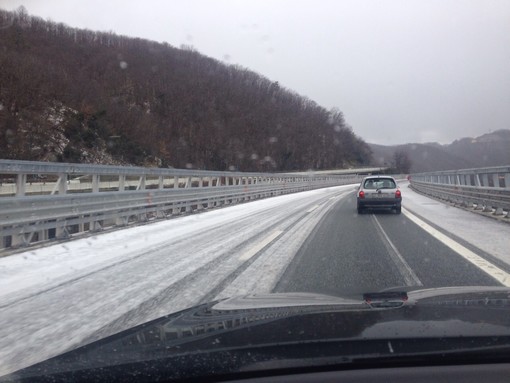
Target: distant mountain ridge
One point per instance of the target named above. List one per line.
(490, 149)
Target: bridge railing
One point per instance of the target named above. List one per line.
(486, 189)
(42, 201)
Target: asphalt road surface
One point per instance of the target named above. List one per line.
(57, 298)
(351, 254)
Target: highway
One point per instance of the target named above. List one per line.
(56, 298)
(351, 254)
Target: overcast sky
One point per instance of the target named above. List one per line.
(400, 70)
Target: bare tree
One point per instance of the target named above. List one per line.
(401, 161)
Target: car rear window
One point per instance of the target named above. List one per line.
(382, 183)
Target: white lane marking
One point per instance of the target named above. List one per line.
(329, 199)
(410, 278)
(495, 272)
(259, 246)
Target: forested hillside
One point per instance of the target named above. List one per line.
(82, 96)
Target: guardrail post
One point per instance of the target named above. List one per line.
(121, 221)
(95, 225)
(43, 235)
(16, 240)
(61, 230)
(495, 180)
(122, 182)
(62, 183)
(21, 183)
(485, 180)
(95, 183)
(141, 183)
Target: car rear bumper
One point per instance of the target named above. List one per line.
(379, 203)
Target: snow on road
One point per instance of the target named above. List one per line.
(35, 270)
(56, 298)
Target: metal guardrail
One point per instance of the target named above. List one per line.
(43, 201)
(486, 189)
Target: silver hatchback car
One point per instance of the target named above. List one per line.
(379, 192)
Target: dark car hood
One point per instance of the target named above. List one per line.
(247, 327)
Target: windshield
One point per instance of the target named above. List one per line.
(160, 155)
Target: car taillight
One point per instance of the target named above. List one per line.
(361, 194)
(398, 194)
